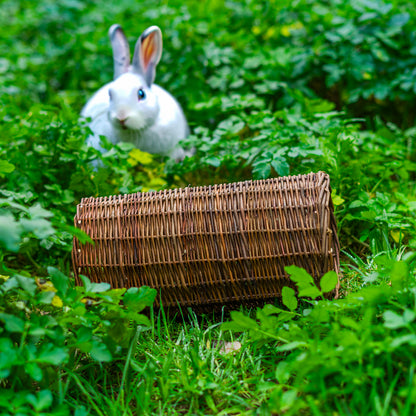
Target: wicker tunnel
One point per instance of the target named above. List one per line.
(210, 246)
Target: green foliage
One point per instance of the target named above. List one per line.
(48, 326)
(355, 352)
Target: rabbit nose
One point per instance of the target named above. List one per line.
(121, 117)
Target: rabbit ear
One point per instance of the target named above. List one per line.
(147, 53)
(121, 51)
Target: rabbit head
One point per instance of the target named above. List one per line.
(133, 104)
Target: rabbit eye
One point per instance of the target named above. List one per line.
(110, 94)
(141, 94)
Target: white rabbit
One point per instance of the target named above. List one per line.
(133, 109)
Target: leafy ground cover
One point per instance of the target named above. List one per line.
(269, 88)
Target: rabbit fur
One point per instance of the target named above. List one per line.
(132, 108)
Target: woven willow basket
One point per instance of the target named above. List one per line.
(214, 245)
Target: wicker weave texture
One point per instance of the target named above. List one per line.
(212, 245)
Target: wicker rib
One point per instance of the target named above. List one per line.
(211, 245)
